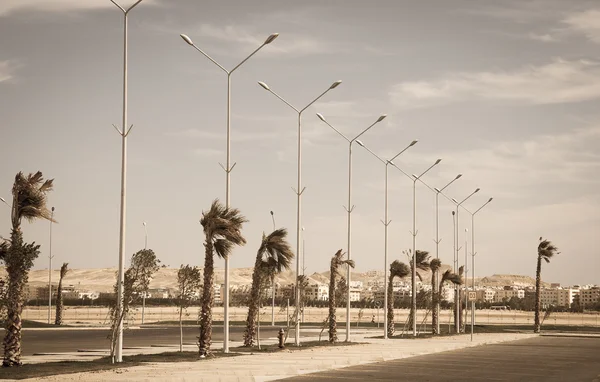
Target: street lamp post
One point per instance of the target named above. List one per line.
(123, 132)
(414, 249)
(298, 191)
(50, 269)
(144, 295)
(350, 207)
(457, 228)
(473, 253)
(386, 223)
(414, 179)
(228, 168)
(273, 283)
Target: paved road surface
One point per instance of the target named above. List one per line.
(64, 340)
(531, 360)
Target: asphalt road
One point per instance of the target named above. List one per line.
(64, 340)
(535, 359)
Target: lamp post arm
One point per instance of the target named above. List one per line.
(399, 169)
(375, 155)
(247, 58)
(337, 131)
(364, 131)
(211, 59)
(284, 101)
(316, 99)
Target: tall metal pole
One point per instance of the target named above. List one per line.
(386, 223)
(228, 170)
(144, 295)
(273, 284)
(50, 270)
(349, 209)
(124, 132)
(299, 191)
(414, 264)
(466, 288)
(472, 272)
(385, 260)
(298, 226)
(455, 269)
(350, 206)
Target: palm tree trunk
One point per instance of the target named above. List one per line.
(180, 328)
(17, 278)
(59, 304)
(538, 282)
(250, 333)
(332, 321)
(434, 303)
(390, 308)
(205, 338)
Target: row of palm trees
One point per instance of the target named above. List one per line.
(222, 227)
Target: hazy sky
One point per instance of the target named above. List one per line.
(505, 92)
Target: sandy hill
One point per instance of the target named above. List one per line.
(103, 279)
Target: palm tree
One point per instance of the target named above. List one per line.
(29, 202)
(435, 266)
(400, 270)
(546, 250)
(334, 270)
(422, 260)
(222, 228)
(59, 300)
(448, 276)
(273, 256)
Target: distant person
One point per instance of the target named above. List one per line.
(373, 319)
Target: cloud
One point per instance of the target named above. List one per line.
(560, 81)
(546, 37)
(8, 7)
(586, 23)
(6, 70)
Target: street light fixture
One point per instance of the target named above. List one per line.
(123, 132)
(386, 223)
(414, 179)
(350, 206)
(299, 190)
(457, 299)
(473, 253)
(50, 269)
(273, 283)
(228, 168)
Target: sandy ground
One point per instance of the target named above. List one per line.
(99, 315)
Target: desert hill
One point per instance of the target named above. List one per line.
(103, 279)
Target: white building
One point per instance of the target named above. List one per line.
(558, 296)
(318, 292)
(502, 295)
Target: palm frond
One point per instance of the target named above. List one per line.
(448, 275)
(64, 269)
(399, 269)
(435, 265)
(30, 197)
(223, 248)
(350, 263)
(546, 250)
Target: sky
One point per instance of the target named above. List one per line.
(504, 92)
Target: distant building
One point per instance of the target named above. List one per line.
(589, 296)
(318, 292)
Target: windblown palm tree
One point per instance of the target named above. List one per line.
(435, 266)
(29, 203)
(222, 228)
(400, 270)
(546, 250)
(334, 271)
(273, 256)
(422, 260)
(451, 277)
(59, 300)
